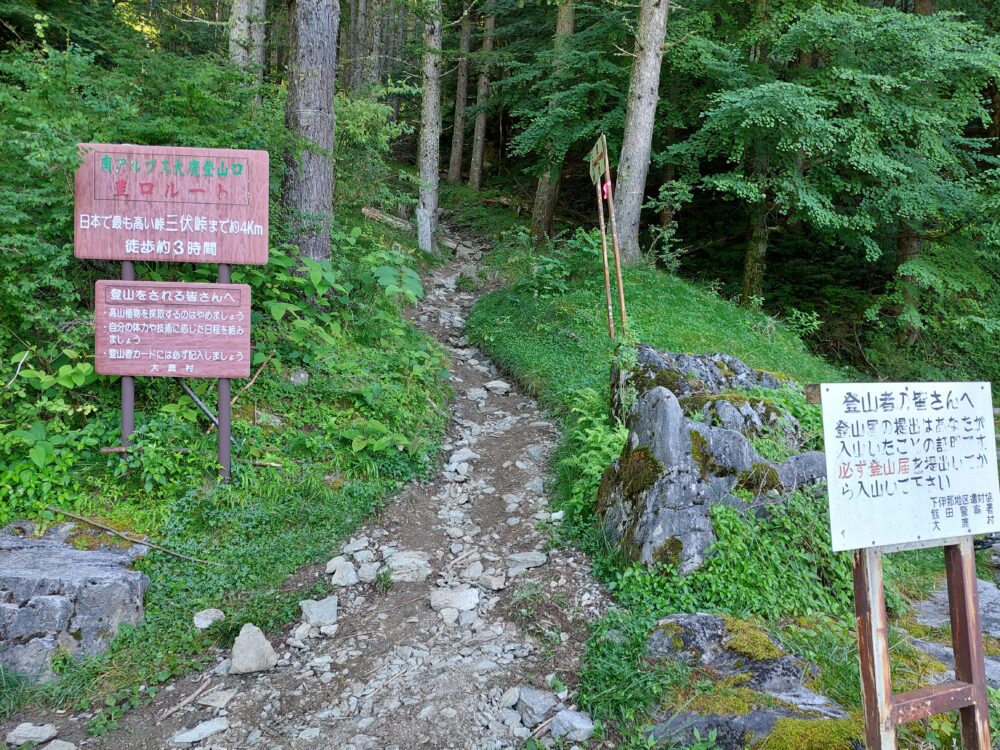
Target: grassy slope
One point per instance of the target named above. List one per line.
(560, 344)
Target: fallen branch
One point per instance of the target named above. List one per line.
(126, 537)
(175, 708)
(268, 464)
(404, 226)
(252, 380)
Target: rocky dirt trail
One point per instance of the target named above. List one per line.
(460, 650)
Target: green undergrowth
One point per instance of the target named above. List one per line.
(548, 328)
(345, 407)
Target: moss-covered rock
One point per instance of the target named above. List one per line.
(750, 640)
(808, 734)
(637, 471)
(760, 479)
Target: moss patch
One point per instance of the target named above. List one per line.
(806, 734)
(703, 456)
(750, 640)
(608, 479)
(669, 553)
(638, 471)
(759, 479)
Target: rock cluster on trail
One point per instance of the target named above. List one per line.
(769, 684)
(657, 497)
(54, 597)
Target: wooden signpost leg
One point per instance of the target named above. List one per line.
(614, 243)
(967, 641)
(873, 648)
(128, 381)
(607, 273)
(225, 407)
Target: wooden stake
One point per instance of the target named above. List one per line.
(604, 251)
(614, 243)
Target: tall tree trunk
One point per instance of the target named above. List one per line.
(482, 92)
(461, 96)
(309, 175)
(358, 45)
(246, 35)
(547, 192)
(640, 112)
(373, 45)
(430, 133)
(346, 39)
(755, 261)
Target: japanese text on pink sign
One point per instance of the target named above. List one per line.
(158, 203)
(172, 329)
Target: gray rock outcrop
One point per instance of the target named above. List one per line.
(54, 597)
(658, 496)
(685, 375)
(772, 683)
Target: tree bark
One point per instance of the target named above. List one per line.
(482, 92)
(246, 35)
(430, 133)
(461, 96)
(640, 113)
(547, 192)
(309, 176)
(373, 46)
(909, 245)
(755, 261)
(358, 44)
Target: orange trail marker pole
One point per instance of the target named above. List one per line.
(614, 243)
(607, 273)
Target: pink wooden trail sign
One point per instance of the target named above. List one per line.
(172, 329)
(161, 203)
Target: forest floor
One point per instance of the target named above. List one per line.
(397, 673)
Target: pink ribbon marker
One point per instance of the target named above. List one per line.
(606, 189)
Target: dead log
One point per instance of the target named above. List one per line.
(404, 226)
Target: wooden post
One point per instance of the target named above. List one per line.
(225, 407)
(967, 641)
(873, 650)
(604, 251)
(128, 381)
(614, 243)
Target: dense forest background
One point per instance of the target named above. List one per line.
(832, 162)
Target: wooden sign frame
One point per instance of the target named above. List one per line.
(116, 187)
(885, 710)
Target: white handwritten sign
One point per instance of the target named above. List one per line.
(909, 462)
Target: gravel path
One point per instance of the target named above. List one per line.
(460, 651)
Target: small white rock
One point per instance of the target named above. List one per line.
(208, 617)
(461, 599)
(24, 733)
(319, 613)
(203, 731)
